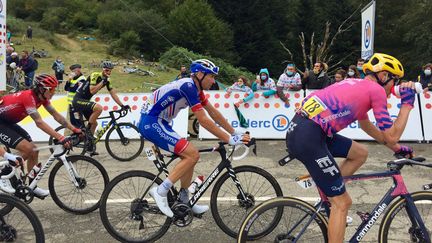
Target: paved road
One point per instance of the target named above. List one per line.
(61, 226)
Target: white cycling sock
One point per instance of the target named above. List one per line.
(164, 187)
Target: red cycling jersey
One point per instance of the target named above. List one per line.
(15, 107)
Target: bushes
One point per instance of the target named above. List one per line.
(177, 56)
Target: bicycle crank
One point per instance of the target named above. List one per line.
(183, 214)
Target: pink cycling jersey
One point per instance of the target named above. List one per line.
(347, 101)
(15, 107)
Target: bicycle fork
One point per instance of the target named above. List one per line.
(72, 172)
(416, 221)
(245, 200)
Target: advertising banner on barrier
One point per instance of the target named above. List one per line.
(267, 117)
(134, 100)
(426, 109)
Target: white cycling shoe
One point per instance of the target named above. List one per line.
(6, 186)
(161, 202)
(200, 209)
(41, 192)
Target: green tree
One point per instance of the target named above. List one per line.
(197, 28)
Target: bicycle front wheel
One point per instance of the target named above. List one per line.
(397, 225)
(299, 222)
(85, 197)
(228, 205)
(20, 224)
(127, 215)
(124, 142)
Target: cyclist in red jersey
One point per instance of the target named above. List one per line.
(15, 107)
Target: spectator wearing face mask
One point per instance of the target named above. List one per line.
(360, 63)
(264, 82)
(289, 80)
(425, 77)
(317, 78)
(353, 72)
(339, 76)
(242, 85)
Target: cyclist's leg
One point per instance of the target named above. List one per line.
(97, 110)
(355, 154)
(86, 106)
(307, 142)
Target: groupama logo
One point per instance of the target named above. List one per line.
(280, 122)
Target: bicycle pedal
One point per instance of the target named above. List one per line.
(199, 216)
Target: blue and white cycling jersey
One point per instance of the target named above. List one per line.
(163, 106)
(168, 100)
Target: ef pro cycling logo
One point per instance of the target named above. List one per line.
(280, 123)
(367, 34)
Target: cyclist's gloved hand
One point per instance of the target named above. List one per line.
(404, 152)
(66, 141)
(407, 96)
(126, 107)
(14, 160)
(235, 140)
(105, 81)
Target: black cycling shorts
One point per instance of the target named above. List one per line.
(74, 116)
(12, 134)
(83, 106)
(307, 142)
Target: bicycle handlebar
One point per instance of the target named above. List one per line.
(400, 163)
(122, 113)
(11, 164)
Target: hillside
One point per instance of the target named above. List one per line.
(89, 54)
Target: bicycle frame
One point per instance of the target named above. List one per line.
(225, 163)
(103, 130)
(398, 189)
(59, 153)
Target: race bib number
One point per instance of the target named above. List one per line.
(313, 106)
(150, 154)
(305, 182)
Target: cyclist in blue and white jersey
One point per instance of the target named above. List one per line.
(163, 106)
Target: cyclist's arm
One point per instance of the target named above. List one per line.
(115, 97)
(95, 88)
(209, 124)
(375, 133)
(44, 126)
(392, 135)
(58, 117)
(218, 118)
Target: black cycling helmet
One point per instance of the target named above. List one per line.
(107, 64)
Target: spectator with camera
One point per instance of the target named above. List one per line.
(317, 78)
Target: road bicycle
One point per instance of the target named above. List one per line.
(19, 223)
(129, 214)
(123, 140)
(76, 182)
(407, 216)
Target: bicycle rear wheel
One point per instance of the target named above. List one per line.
(92, 182)
(396, 225)
(124, 142)
(126, 216)
(20, 224)
(229, 208)
(295, 217)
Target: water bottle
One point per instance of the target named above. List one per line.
(196, 184)
(34, 171)
(418, 89)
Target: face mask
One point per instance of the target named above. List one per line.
(289, 73)
(427, 72)
(360, 68)
(351, 73)
(263, 77)
(316, 70)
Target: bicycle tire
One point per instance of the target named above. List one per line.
(121, 147)
(77, 149)
(394, 210)
(96, 180)
(195, 126)
(120, 204)
(231, 221)
(22, 229)
(287, 205)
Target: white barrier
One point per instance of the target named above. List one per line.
(134, 100)
(426, 108)
(267, 116)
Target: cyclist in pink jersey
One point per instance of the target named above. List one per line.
(15, 107)
(312, 134)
